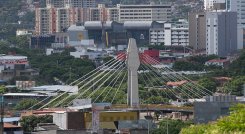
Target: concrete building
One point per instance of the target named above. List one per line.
(144, 12)
(239, 7)
(112, 14)
(80, 120)
(221, 33)
(213, 32)
(41, 41)
(210, 4)
(197, 31)
(20, 32)
(12, 66)
(176, 34)
(213, 108)
(70, 3)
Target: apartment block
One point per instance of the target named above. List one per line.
(144, 12)
(213, 32)
(70, 3)
(197, 31)
(54, 20)
(170, 35)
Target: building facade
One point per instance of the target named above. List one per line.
(210, 4)
(170, 35)
(144, 12)
(221, 33)
(197, 31)
(70, 3)
(213, 32)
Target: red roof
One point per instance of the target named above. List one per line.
(176, 83)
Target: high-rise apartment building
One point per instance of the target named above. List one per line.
(213, 32)
(70, 3)
(197, 31)
(170, 34)
(144, 12)
(54, 20)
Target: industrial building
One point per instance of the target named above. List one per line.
(145, 32)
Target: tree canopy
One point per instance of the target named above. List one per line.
(172, 126)
(30, 122)
(208, 83)
(26, 103)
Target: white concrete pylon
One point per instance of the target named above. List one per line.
(133, 63)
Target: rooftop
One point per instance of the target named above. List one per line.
(24, 94)
(12, 57)
(8, 125)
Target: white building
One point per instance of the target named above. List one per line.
(9, 61)
(170, 35)
(144, 12)
(21, 32)
(239, 7)
(209, 4)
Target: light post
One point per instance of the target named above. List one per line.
(148, 118)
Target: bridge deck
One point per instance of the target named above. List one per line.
(152, 107)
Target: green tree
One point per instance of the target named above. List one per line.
(156, 100)
(26, 103)
(30, 122)
(235, 86)
(209, 83)
(172, 126)
(187, 66)
(2, 90)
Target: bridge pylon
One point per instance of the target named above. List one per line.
(133, 63)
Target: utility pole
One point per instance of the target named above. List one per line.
(2, 114)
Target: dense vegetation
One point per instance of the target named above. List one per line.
(61, 66)
(171, 126)
(26, 104)
(12, 11)
(232, 124)
(30, 122)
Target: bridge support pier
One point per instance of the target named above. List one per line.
(133, 63)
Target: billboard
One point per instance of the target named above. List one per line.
(25, 84)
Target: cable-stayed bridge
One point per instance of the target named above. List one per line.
(127, 81)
